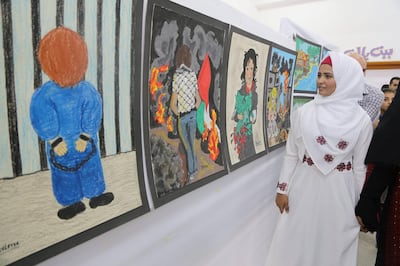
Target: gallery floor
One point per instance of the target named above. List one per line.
(366, 250)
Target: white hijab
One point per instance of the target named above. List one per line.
(331, 125)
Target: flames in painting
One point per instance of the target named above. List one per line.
(159, 94)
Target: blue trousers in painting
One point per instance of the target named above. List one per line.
(187, 131)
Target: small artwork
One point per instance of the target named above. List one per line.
(279, 95)
(71, 155)
(184, 66)
(244, 101)
(305, 73)
(299, 100)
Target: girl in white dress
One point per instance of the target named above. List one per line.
(323, 172)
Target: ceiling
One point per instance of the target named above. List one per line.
(269, 4)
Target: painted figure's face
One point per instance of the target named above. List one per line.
(326, 83)
(249, 71)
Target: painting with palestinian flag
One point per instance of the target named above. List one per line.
(184, 67)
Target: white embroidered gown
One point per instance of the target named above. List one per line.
(320, 228)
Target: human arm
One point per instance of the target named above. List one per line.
(368, 206)
(375, 123)
(197, 93)
(236, 116)
(290, 161)
(253, 112)
(44, 118)
(43, 115)
(90, 109)
(173, 105)
(91, 113)
(198, 99)
(359, 153)
(363, 228)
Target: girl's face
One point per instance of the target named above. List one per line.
(387, 100)
(326, 83)
(249, 70)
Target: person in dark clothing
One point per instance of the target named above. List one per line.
(384, 154)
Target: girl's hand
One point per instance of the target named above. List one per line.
(282, 201)
(363, 228)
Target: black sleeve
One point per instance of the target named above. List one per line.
(369, 204)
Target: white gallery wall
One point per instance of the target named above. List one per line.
(359, 25)
(348, 24)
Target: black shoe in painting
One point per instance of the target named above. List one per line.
(101, 200)
(71, 210)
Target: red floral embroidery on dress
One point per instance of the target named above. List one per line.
(282, 186)
(321, 140)
(307, 160)
(342, 144)
(341, 167)
(328, 158)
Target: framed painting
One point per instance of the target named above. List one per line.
(279, 95)
(71, 155)
(183, 77)
(299, 100)
(306, 69)
(324, 52)
(244, 101)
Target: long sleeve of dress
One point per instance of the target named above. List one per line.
(360, 151)
(288, 167)
(290, 159)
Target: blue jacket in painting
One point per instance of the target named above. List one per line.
(68, 112)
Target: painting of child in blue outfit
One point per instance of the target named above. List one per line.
(66, 113)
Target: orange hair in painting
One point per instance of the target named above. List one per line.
(63, 56)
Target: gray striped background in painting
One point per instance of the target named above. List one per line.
(107, 27)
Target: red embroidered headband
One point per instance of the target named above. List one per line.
(327, 61)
